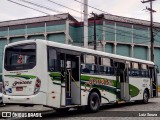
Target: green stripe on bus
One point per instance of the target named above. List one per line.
(134, 91)
(22, 76)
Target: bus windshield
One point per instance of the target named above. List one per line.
(20, 57)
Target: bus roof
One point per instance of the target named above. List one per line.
(83, 50)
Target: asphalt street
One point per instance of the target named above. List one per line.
(125, 111)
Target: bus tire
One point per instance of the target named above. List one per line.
(145, 97)
(93, 102)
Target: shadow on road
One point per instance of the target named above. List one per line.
(84, 113)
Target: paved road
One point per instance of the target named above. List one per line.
(108, 110)
(131, 109)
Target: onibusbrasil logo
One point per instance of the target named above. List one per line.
(20, 114)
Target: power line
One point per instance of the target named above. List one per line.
(62, 12)
(117, 33)
(41, 6)
(33, 9)
(69, 8)
(28, 7)
(44, 7)
(92, 7)
(87, 26)
(126, 31)
(76, 10)
(105, 11)
(54, 11)
(65, 6)
(96, 9)
(156, 33)
(122, 40)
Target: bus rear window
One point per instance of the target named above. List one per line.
(20, 57)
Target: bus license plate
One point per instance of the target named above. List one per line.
(19, 88)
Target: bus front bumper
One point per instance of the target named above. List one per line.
(39, 98)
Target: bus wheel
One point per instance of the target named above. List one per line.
(145, 97)
(93, 102)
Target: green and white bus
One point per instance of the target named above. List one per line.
(65, 76)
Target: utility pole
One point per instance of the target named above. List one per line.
(85, 9)
(151, 27)
(95, 34)
(95, 37)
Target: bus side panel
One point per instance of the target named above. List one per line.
(84, 96)
(139, 84)
(108, 92)
(107, 97)
(106, 87)
(54, 93)
(42, 68)
(63, 96)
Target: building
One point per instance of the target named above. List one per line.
(115, 34)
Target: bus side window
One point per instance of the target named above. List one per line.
(90, 64)
(147, 73)
(107, 68)
(134, 72)
(53, 64)
(143, 73)
(144, 70)
(137, 72)
(88, 68)
(95, 68)
(102, 69)
(13, 59)
(112, 70)
(130, 72)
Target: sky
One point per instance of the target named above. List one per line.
(126, 8)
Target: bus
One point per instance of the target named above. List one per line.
(41, 72)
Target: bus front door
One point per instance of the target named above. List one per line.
(154, 82)
(72, 80)
(124, 82)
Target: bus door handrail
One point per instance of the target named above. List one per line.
(74, 80)
(124, 82)
(154, 84)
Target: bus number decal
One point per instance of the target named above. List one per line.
(94, 81)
